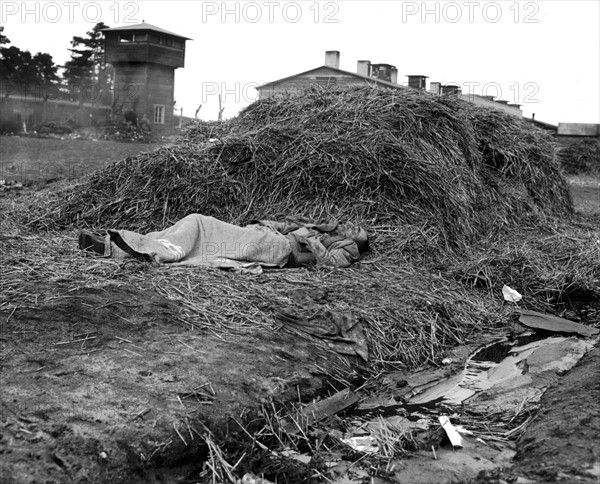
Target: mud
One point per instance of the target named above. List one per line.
(562, 443)
(107, 385)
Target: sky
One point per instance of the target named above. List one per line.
(543, 54)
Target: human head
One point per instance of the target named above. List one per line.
(358, 235)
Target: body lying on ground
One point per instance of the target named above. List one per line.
(206, 241)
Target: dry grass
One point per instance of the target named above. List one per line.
(555, 269)
(580, 156)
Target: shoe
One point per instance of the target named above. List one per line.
(91, 243)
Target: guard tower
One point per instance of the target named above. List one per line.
(144, 58)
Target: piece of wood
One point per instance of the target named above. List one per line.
(547, 322)
(324, 408)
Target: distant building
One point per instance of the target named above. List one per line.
(581, 130)
(385, 75)
(144, 58)
(548, 127)
(568, 130)
(330, 74)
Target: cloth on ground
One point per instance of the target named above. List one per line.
(342, 331)
(205, 241)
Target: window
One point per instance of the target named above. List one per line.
(159, 114)
(128, 38)
(166, 41)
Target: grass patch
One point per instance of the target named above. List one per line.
(34, 160)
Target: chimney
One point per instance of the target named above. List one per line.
(383, 71)
(363, 68)
(435, 87)
(332, 58)
(450, 89)
(394, 76)
(533, 116)
(417, 81)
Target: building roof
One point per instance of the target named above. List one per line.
(143, 26)
(341, 71)
(542, 124)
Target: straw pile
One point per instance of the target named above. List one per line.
(404, 161)
(580, 156)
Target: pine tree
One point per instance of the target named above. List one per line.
(3, 38)
(87, 68)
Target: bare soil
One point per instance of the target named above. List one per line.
(97, 385)
(562, 443)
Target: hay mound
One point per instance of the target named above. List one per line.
(580, 156)
(386, 158)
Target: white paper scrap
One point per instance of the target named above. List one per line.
(451, 432)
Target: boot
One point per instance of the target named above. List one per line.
(91, 243)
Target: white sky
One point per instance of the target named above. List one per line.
(544, 54)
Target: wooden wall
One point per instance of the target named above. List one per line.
(16, 110)
(141, 52)
(140, 86)
(323, 75)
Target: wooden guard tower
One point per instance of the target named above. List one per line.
(144, 58)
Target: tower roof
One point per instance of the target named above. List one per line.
(143, 26)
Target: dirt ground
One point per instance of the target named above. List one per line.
(97, 383)
(106, 382)
(562, 443)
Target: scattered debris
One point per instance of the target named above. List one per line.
(548, 322)
(510, 294)
(292, 454)
(250, 478)
(522, 374)
(362, 444)
(341, 330)
(453, 435)
(322, 409)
